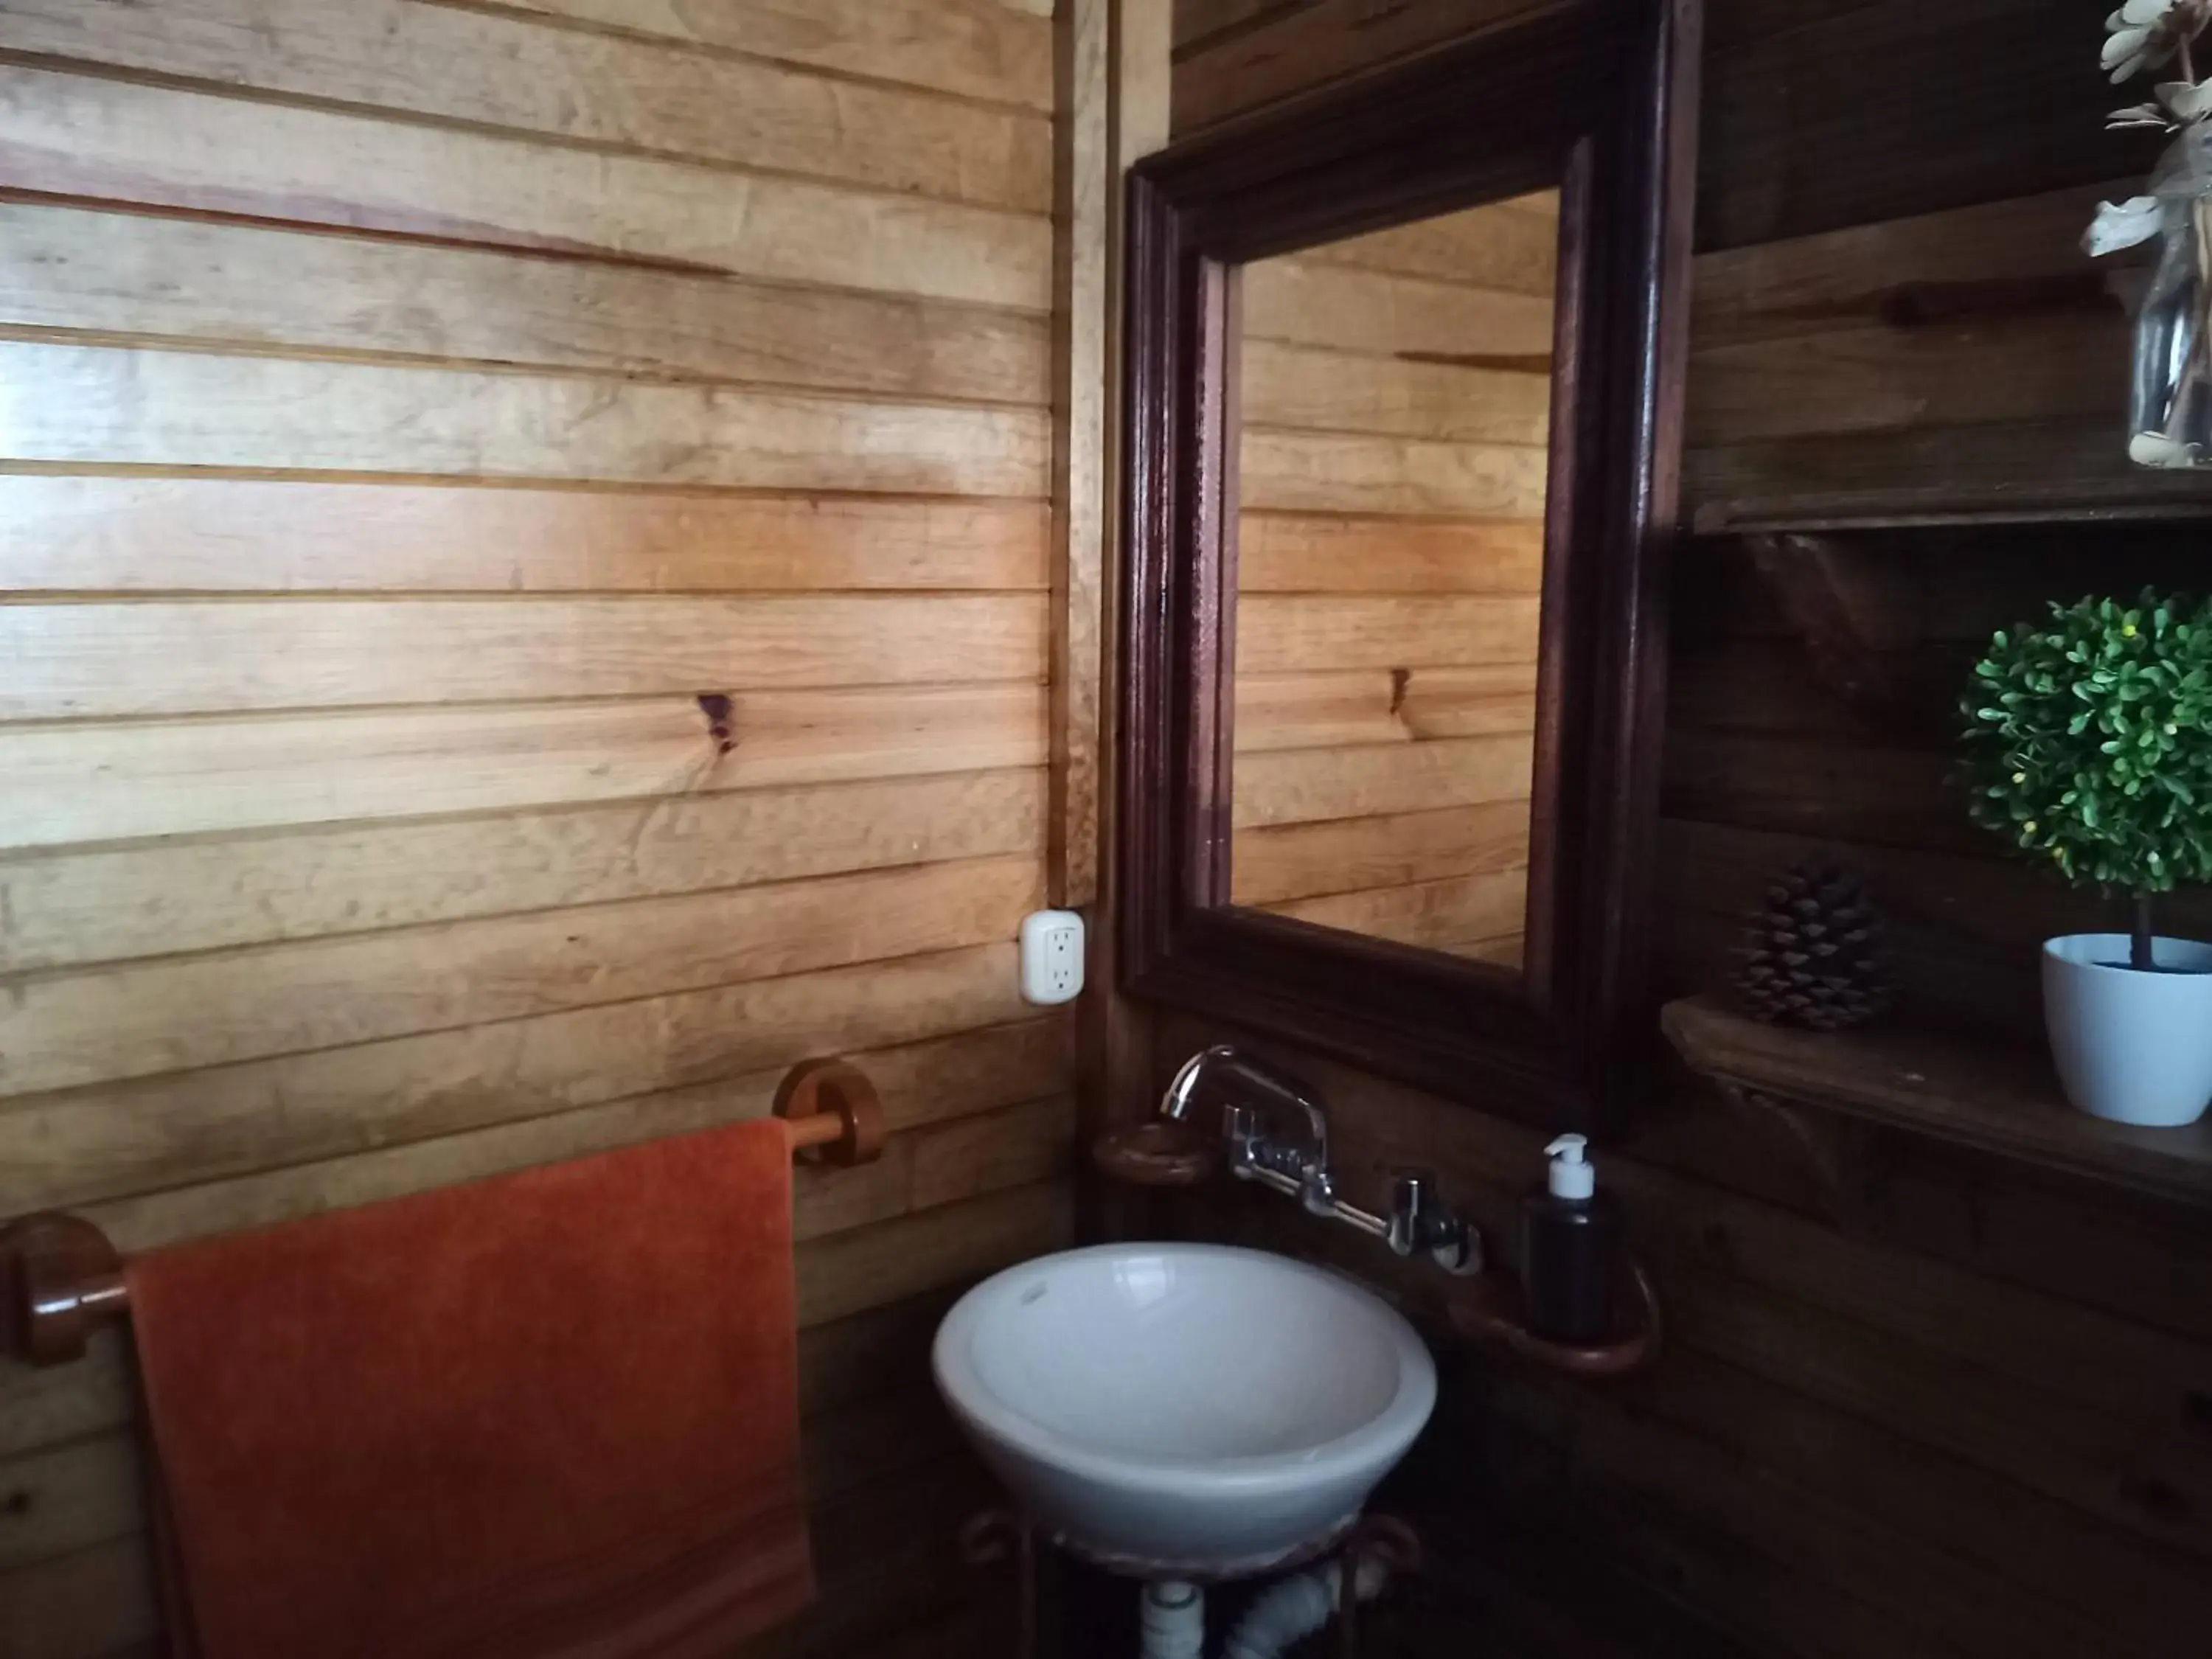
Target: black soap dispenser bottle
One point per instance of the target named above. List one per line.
(1569, 1246)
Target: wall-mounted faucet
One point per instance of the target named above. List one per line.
(1276, 1133)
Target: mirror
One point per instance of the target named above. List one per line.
(1401, 427)
(1393, 422)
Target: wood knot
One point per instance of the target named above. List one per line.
(717, 708)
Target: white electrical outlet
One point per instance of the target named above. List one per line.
(1052, 957)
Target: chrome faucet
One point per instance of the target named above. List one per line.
(1297, 1165)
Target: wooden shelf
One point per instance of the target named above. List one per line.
(1777, 515)
(2073, 471)
(2000, 1100)
(1489, 1310)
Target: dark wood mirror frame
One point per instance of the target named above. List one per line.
(1596, 99)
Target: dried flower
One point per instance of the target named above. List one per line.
(2123, 224)
(2156, 449)
(2142, 34)
(2141, 115)
(2189, 102)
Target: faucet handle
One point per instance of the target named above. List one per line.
(1421, 1220)
(1412, 1202)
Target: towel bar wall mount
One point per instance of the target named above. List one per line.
(61, 1279)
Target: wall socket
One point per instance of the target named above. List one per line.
(1052, 957)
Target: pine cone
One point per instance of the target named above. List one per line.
(1815, 954)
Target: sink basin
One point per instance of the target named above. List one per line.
(1186, 1406)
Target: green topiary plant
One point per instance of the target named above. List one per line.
(2089, 742)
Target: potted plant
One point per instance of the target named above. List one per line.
(2088, 743)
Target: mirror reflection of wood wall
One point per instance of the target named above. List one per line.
(1395, 399)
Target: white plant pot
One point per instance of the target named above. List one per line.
(2131, 1047)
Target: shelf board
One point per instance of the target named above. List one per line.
(1999, 1100)
(1781, 513)
(2071, 471)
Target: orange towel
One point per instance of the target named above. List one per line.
(549, 1416)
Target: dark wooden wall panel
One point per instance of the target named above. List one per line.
(1959, 1407)
(1951, 1424)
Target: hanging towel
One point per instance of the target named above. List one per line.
(549, 1416)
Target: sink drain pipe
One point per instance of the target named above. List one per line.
(1173, 1620)
(1286, 1613)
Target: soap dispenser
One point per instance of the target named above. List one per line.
(1569, 1248)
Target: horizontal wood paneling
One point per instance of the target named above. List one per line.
(1396, 397)
(1320, 472)
(1197, 21)
(70, 661)
(1298, 387)
(155, 147)
(853, 1272)
(138, 534)
(1810, 127)
(1967, 926)
(176, 1015)
(337, 1101)
(486, 70)
(1936, 1500)
(91, 1491)
(135, 275)
(999, 50)
(885, 1588)
(1295, 48)
(89, 905)
(1817, 1381)
(1947, 1405)
(876, 1443)
(130, 780)
(1874, 272)
(1304, 785)
(52, 1407)
(1398, 705)
(1339, 633)
(1966, 358)
(159, 1178)
(1306, 861)
(1294, 302)
(72, 405)
(1919, 1600)
(525, 594)
(1514, 250)
(1280, 552)
(1879, 378)
(98, 1601)
(2023, 470)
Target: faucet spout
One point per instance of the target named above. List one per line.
(1277, 1086)
(1297, 1165)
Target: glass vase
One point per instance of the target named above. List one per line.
(2170, 389)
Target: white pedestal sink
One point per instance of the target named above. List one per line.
(1191, 1407)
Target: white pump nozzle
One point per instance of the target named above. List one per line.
(1571, 1177)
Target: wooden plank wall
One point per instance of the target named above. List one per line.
(526, 554)
(1232, 56)
(1894, 312)
(1961, 1409)
(1395, 405)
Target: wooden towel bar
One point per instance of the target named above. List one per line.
(60, 1277)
